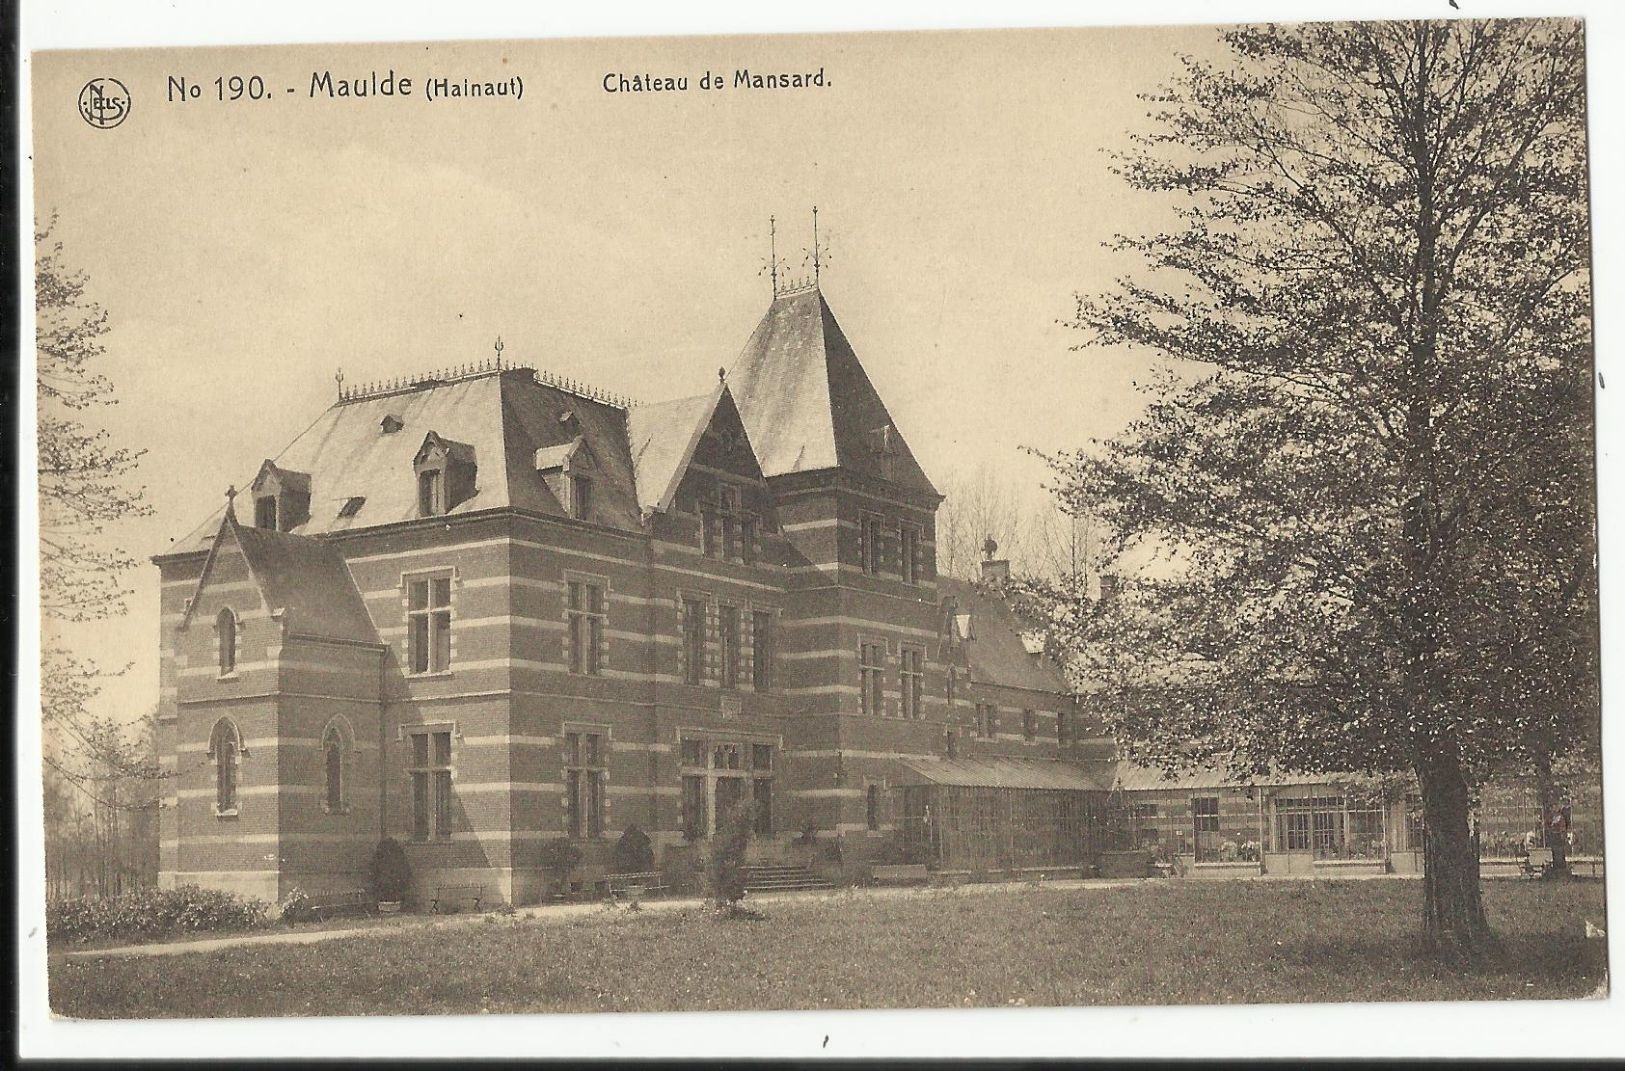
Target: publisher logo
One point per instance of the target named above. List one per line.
(104, 102)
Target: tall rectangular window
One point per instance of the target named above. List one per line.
(761, 786)
(265, 512)
(908, 544)
(871, 808)
(696, 822)
(729, 508)
(431, 493)
(728, 640)
(747, 538)
(428, 621)
(580, 497)
(872, 536)
(693, 640)
(584, 775)
(431, 785)
(872, 677)
(911, 681)
(1029, 725)
(586, 624)
(987, 721)
(761, 650)
(1063, 728)
(1206, 811)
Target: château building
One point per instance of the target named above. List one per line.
(486, 609)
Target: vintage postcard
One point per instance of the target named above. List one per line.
(1029, 518)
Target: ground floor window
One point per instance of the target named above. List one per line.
(585, 773)
(718, 775)
(431, 785)
(1332, 827)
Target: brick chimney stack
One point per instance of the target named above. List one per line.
(994, 569)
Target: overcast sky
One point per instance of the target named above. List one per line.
(246, 251)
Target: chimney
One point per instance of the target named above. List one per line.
(993, 569)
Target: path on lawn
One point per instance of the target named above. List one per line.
(557, 912)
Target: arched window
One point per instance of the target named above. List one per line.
(225, 746)
(225, 627)
(335, 757)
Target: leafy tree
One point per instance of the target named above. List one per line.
(725, 863)
(84, 485)
(1361, 496)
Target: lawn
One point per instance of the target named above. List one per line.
(1153, 943)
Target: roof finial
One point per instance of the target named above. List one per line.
(338, 377)
(818, 254)
(722, 375)
(773, 252)
(231, 500)
(498, 348)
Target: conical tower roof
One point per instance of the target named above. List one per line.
(808, 404)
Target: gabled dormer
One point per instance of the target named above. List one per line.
(570, 471)
(281, 498)
(445, 472)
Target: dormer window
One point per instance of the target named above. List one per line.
(281, 498)
(580, 497)
(445, 473)
(431, 493)
(883, 443)
(568, 470)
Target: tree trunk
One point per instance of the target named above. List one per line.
(1557, 839)
(1453, 921)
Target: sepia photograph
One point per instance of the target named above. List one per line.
(1041, 517)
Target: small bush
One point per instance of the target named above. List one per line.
(633, 852)
(391, 874)
(725, 865)
(153, 914)
(296, 907)
(560, 857)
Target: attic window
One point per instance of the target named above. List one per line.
(445, 475)
(431, 493)
(391, 424)
(281, 498)
(352, 506)
(265, 512)
(882, 441)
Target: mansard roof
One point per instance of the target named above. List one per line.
(998, 654)
(502, 418)
(303, 578)
(808, 404)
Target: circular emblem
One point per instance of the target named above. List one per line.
(104, 102)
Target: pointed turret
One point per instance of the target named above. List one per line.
(808, 404)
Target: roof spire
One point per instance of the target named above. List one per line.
(817, 253)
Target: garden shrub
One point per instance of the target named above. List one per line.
(560, 857)
(297, 906)
(391, 874)
(153, 914)
(633, 852)
(725, 864)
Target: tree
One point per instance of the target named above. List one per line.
(85, 485)
(725, 860)
(1032, 534)
(1366, 467)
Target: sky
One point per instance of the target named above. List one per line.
(247, 251)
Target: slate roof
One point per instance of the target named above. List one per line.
(504, 417)
(998, 654)
(805, 399)
(307, 579)
(1005, 773)
(663, 437)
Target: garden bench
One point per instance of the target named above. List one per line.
(899, 873)
(1537, 862)
(325, 904)
(455, 895)
(652, 882)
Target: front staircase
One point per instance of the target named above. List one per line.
(782, 878)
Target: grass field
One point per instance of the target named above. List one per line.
(1153, 943)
